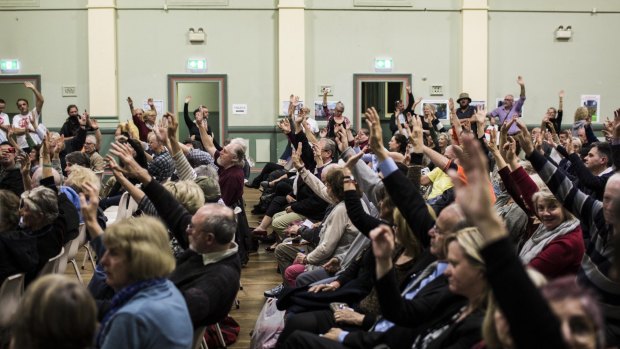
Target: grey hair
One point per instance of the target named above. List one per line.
(92, 138)
(221, 223)
(207, 171)
(239, 154)
(38, 173)
(329, 145)
(43, 201)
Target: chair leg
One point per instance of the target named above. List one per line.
(77, 270)
(220, 336)
(204, 345)
(89, 255)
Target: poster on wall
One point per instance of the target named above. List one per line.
(593, 103)
(441, 107)
(319, 113)
(477, 104)
(285, 104)
(240, 109)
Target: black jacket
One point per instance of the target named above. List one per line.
(18, 253)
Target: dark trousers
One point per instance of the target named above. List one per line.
(302, 340)
(313, 322)
(264, 173)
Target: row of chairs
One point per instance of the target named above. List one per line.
(12, 288)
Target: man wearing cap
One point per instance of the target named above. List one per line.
(466, 111)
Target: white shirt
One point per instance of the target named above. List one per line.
(23, 121)
(4, 121)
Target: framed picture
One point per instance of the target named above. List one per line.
(475, 104)
(441, 108)
(593, 103)
(319, 114)
(285, 105)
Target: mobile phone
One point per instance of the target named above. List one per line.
(337, 306)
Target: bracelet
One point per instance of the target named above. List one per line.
(346, 177)
(47, 165)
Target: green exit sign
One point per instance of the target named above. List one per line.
(197, 65)
(9, 66)
(383, 64)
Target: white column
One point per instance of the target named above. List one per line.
(291, 49)
(475, 49)
(102, 64)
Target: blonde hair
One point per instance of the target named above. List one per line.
(489, 331)
(55, 312)
(80, 175)
(546, 196)
(188, 193)
(405, 235)
(581, 113)
(144, 242)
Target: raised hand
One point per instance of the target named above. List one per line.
(284, 125)
(60, 145)
(323, 132)
(188, 99)
(524, 138)
(89, 202)
(132, 168)
(296, 158)
(173, 125)
(561, 94)
(29, 85)
(24, 161)
(520, 80)
(474, 198)
(94, 124)
(353, 160)
(451, 105)
(341, 140)
(382, 246)
(150, 102)
(376, 134)
(408, 88)
(481, 115)
(129, 101)
(417, 135)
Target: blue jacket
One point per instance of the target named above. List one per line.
(156, 317)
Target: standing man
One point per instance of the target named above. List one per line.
(466, 111)
(26, 122)
(4, 122)
(72, 124)
(400, 111)
(510, 108)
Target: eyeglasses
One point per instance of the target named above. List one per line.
(437, 230)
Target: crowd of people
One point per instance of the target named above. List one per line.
(466, 232)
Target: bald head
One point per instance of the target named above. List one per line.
(612, 191)
(449, 221)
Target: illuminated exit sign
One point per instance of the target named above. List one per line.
(197, 65)
(8, 66)
(384, 64)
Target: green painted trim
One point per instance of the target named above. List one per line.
(252, 129)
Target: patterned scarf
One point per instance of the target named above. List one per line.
(119, 300)
(542, 237)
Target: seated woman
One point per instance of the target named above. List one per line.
(440, 320)
(556, 247)
(18, 249)
(147, 310)
(56, 312)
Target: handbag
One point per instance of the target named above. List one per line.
(269, 325)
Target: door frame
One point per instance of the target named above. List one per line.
(222, 79)
(357, 90)
(14, 79)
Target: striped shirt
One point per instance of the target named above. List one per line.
(598, 260)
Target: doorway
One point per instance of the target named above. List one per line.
(12, 87)
(206, 90)
(379, 91)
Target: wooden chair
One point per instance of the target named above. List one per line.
(11, 293)
(71, 250)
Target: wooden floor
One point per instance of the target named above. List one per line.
(258, 276)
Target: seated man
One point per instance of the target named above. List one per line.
(208, 272)
(10, 177)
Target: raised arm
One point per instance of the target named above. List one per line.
(188, 120)
(207, 141)
(38, 96)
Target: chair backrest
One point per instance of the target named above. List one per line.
(11, 293)
(51, 267)
(199, 334)
(126, 206)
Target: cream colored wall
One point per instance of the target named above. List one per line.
(339, 45)
(523, 43)
(339, 40)
(53, 44)
(241, 44)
